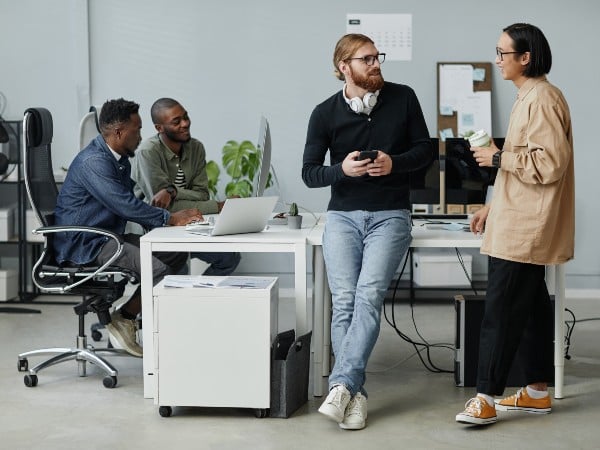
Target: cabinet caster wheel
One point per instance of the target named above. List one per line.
(165, 411)
(109, 382)
(96, 335)
(23, 365)
(261, 413)
(30, 380)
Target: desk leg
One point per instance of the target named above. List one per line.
(300, 290)
(148, 318)
(559, 331)
(318, 321)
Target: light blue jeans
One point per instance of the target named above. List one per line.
(362, 251)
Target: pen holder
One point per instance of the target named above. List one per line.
(294, 222)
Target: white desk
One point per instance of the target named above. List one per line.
(276, 239)
(423, 237)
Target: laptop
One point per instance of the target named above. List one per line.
(239, 215)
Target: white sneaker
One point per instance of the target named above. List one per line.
(336, 402)
(355, 417)
(124, 332)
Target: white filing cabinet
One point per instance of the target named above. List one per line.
(212, 346)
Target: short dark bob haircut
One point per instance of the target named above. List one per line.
(529, 38)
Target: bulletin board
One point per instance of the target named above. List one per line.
(454, 99)
(464, 91)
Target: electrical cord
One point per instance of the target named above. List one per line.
(570, 324)
(418, 346)
(462, 264)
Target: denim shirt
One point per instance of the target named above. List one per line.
(98, 192)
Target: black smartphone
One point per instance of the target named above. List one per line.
(367, 154)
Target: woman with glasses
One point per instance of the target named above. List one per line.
(375, 134)
(529, 224)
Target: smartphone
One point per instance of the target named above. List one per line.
(367, 154)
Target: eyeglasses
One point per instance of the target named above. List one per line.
(369, 60)
(501, 54)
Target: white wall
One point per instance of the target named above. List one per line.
(229, 62)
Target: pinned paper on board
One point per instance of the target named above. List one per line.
(392, 33)
(464, 98)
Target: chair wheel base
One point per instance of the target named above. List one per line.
(109, 382)
(30, 380)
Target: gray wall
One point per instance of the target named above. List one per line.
(229, 62)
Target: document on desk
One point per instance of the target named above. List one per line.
(201, 281)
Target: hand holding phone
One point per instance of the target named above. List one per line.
(367, 154)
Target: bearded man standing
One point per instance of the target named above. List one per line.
(368, 226)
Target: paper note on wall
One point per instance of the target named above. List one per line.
(456, 82)
(475, 113)
(392, 33)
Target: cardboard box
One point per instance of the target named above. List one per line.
(7, 222)
(9, 288)
(441, 269)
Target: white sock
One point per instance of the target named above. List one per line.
(536, 394)
(489, 399)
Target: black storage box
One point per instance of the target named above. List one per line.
(290, 364)
(469, 315)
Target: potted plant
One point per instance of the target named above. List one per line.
(294, 219)
(241, 161)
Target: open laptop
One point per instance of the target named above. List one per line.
(239, 215)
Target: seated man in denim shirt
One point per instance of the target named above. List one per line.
(98, 192)
(170, 171)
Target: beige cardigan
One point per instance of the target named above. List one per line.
(532, 214)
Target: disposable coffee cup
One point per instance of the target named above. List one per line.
(479, 139)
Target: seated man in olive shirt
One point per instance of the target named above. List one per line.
(170, 172)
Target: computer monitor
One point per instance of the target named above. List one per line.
(264, 152)
(425, 182)
(465, 181)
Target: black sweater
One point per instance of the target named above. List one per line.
(395, 126)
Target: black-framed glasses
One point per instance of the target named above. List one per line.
(501, 54)
(369, 60)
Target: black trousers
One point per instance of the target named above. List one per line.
(517, 311)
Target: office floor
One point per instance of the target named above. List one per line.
(409, 407)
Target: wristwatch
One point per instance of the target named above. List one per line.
(497, 158)
(172, 190)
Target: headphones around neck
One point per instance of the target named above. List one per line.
(367, 103)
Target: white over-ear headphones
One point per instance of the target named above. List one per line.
(358, 105)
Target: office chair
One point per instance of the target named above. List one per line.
(99, 286)
(89, 127)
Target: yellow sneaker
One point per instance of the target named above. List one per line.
(478, 412)
(521, 401)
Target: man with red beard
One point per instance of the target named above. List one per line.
(368, 226)
(170, 172)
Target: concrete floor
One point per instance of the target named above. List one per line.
(409, 407)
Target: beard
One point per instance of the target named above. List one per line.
(372, 81)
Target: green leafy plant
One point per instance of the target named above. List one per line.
(241, 161)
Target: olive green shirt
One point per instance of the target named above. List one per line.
(154, 167)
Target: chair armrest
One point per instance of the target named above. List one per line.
(64, 228)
